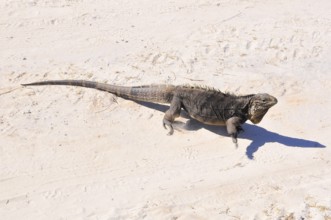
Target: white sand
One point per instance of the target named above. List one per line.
(77, 153)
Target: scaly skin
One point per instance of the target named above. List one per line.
(206, 105)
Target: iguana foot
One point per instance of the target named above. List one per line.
(234, 138)
(168, 124)
(234, 135)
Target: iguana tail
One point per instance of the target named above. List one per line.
(148, 93)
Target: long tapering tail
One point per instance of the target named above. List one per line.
(149, 93)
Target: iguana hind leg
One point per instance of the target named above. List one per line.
(171, 114)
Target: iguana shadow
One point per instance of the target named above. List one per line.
(259, 136)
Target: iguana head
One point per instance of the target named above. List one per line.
(259, 106)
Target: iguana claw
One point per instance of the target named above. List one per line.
(168, 124)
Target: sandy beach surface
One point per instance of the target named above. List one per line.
(78, 153)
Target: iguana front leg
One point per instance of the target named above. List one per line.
(171, 114)
(233, 127)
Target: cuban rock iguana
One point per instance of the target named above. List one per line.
(207, 105)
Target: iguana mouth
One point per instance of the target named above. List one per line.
(258, 117)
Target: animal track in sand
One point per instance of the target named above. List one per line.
(44, 3)
(256, 44)
(220, 47)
